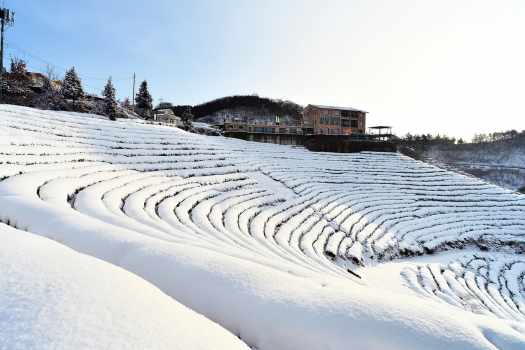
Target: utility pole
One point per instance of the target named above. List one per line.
(133, 96)
(7, 19)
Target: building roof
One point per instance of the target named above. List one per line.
(164, 111)
(339, 108)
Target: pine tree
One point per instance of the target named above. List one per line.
(110, 100)
(72, 86)
(187, 118)
(144, 100)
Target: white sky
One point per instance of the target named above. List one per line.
(455, 67)
(432, 66)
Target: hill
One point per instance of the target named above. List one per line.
(252, 103)
(285, 248)
(501, 162)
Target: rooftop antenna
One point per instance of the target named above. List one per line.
(7, 19)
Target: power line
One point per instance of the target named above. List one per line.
(27, 53)
(90, 88)
(61, 68)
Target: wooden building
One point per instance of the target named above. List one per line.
(331, 120)
(340, 129)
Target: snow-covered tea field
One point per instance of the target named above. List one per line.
(119, 234)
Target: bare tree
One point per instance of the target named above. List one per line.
(126, 104)
(18, 66)
(51, 73)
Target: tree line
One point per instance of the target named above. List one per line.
(502, 136)
(72, 89)
(428, 139)
(274, 106)
(68, 93)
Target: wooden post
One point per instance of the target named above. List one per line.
(133, 95)
(7, 18)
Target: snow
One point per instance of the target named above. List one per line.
(259, 238)
(55, 298)
(501, 163)
(202, 125)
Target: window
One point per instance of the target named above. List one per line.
(353, 123)
(329, 120)
(345, 123)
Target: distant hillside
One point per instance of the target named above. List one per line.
(502, 162)
(263, 105)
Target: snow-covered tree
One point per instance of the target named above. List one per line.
(143, 100)
(110, 100)
(72, 86)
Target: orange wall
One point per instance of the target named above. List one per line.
(312, 116)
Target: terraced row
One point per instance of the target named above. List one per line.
(482, 283)
(328, 214)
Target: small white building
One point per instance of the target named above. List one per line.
(166, 116)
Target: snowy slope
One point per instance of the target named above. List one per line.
(261, 238)
(500, 163)
(54, 298)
